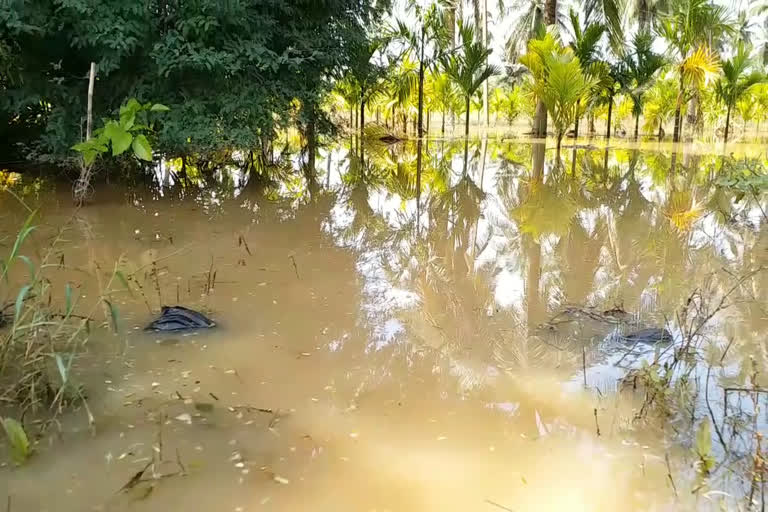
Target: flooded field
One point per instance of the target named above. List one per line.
(432, 327)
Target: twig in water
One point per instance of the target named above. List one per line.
(180, 464)
(712, 414)
(136, 478)
(502, 507)
(669, 474)
(597, 425)
(241, 241)
(295, 268)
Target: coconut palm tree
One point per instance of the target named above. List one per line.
(737, 79)
(640, 65)
(468, 67)
(559, 81)
(691, 28)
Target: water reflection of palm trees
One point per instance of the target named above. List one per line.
(493, 248)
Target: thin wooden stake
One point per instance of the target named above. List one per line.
(89, 121)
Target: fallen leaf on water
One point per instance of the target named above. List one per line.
(279, 479)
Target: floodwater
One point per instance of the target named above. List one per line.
(396, 340)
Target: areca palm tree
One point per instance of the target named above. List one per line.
(444, 93)
(468, 66)
(691, 28)
(426, 40)
(559, 81)
(640, 67)
(660, 104)
(585, 45)
(738, 78)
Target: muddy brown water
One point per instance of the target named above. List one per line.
(379, 345)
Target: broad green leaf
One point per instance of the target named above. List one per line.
(141, 148)
(20, 301)
(121, 139)
(17, 439)
(157, 107)
(68, 299)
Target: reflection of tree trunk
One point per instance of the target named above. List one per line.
(573, 161)
(466, 155)
(537, 153)
(418, 186)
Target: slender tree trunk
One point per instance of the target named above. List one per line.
(405, 124)
(420, 130)
(551, 12)
(578, 118)
(637, 126)
(610, 113)
(311, 141)
(678, 110)
(661, 131)
(727, 123)
(466, 121)
(559, 142)
(352, 118)
(378, 115)
(540, 121)
(485, 44)
(442, 126)
(429, 116)
(362, 119)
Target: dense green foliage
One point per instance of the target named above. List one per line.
(230, 71)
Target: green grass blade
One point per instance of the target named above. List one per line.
(20, 302)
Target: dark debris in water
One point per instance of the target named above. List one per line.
(179, 318)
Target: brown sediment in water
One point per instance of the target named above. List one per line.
(399, 359)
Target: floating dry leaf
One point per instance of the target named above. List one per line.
(281, 480)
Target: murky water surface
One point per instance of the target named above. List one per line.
(390, 340)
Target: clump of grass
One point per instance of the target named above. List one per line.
(42, 337)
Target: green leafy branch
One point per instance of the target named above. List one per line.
(129, 131)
